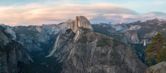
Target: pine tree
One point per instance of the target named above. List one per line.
(156, 50)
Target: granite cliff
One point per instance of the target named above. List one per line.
(12, 53)
(80, 50)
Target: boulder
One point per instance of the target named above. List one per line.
(158, 68)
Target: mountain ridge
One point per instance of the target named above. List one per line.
(95, 53)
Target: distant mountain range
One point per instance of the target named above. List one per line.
(128, 18)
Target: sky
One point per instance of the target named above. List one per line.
(29, 12)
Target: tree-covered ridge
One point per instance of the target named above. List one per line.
(156, 50)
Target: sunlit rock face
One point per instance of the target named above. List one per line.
(80, 50)
(158, 68)
(75, 25)
(80, 22)
(71, 27)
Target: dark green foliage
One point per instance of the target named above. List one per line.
(156, 51)
(163, 55)
(139, 49)
(104, 42)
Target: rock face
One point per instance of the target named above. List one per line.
(75, 26)
(92, 52)
(11, 53)
(145, 30)
(79, 22)
(159, 68)
(36, 38)
(11, 33)
(132, 36)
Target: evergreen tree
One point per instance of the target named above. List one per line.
(156, 50)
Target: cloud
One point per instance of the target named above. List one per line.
(39, 14)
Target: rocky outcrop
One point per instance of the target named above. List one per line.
(11, 34)
(75, 26)
(36, 38)
(132, 36)
(81, 22)
(11, 53)
(159, 68)
(93, 52)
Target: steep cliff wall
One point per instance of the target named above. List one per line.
(11, 53)
(93, 53)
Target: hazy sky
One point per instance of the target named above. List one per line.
(47, 11)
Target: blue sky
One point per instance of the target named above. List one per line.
(17, 12)
(141, 6)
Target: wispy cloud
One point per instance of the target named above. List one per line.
(38, 14)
